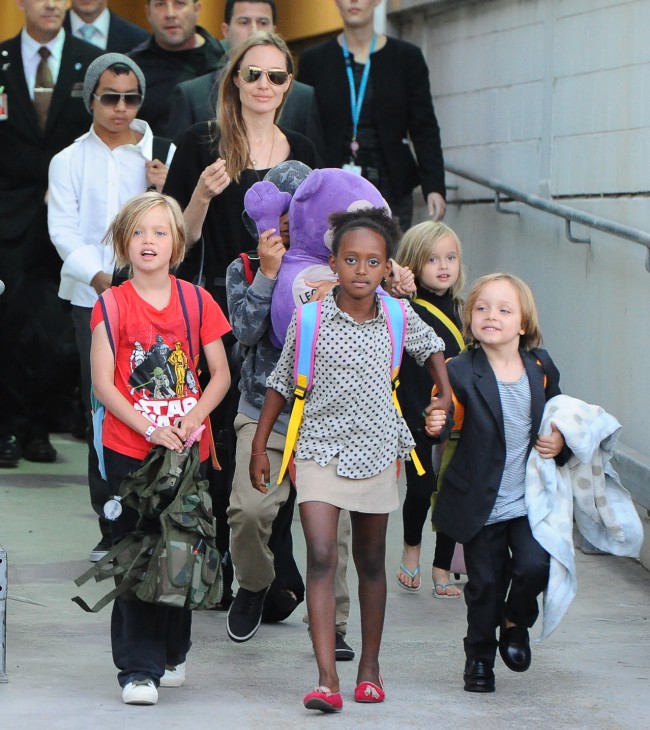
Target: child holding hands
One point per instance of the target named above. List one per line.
(153, 399)
(500, 387)
(432, 251)
(350, 440)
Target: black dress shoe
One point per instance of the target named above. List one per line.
(514, 647)
(478, 676)
(9, 452)
(40, 449)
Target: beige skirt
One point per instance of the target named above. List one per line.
(375, 495)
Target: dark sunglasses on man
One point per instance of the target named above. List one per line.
(251, 74)
(112, 99)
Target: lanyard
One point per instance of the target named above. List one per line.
(356, 100)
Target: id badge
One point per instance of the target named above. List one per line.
(351, 167)
(4, 108)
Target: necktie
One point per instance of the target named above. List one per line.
(87, 32)
(43, 88)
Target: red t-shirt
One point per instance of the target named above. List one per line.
(153, 367)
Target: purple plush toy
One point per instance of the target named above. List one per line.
(324, 192)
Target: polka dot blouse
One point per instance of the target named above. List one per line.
(349, 412)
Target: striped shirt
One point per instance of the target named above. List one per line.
(515, 406)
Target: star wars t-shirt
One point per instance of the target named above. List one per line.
(153, 366)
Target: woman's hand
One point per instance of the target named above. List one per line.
(271, 250)
(548, 447)
(213, 180)
(259, 472)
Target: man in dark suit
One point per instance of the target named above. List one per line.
(178, 50)
(389, 81)
(93, 22)
(41, 80)
(196, 100)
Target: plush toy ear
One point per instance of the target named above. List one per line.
(309, 186)
(265, 204)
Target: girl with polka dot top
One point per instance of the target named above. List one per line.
(350, 440)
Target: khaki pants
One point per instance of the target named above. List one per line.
(251, 513)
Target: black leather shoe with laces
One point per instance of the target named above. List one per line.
(245, 614)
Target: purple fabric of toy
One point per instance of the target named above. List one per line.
(324, 192)
(265, 204)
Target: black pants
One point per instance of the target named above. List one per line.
(145, 637)
(418, 501)
(507, 569)
(39, 367)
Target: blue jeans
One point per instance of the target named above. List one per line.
(145, 637)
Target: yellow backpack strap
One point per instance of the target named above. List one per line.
(396, 320)
(307, 324)
(439, 314)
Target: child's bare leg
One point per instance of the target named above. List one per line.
(369, 553)
(319, 523)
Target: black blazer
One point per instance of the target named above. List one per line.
(402, 107)
(472, 479)
(26, 150)
(123, 36)
(196, 101)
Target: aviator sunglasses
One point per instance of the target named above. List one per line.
(112, 98)
(276, 76)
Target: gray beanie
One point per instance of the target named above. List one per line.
(286, 176)
(97, 68)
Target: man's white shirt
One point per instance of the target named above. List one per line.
(88, 184)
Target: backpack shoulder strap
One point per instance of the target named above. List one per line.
(448, 322)
(251, 263)
(307, 324)
(160, 148)
(396, 321)
(111, 313)
(192, 305)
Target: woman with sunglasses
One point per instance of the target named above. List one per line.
(218, 161)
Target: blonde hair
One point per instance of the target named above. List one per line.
(532, 336)
(121, 232)
(233, 142)
(415, 250)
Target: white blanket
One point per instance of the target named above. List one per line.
(588, 488)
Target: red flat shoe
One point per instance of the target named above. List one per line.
(323, 699)
(370, 692)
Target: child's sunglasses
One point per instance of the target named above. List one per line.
(111, 98)
(250, 74)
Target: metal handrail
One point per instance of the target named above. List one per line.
(570, 215)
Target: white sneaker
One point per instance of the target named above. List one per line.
(140, 692)
(173, 676)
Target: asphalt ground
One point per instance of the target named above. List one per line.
(592, 673)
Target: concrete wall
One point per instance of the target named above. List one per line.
(550, 96)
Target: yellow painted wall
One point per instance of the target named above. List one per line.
(298, 19)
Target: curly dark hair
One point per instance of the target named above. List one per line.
(378, 220)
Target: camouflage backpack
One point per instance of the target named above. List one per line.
(171, 556)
